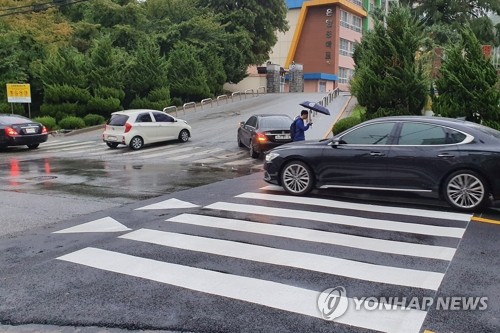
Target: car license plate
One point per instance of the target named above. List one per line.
(30, 130)
(111, 138)
(282, 137)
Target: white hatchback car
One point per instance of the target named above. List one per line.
(135, 128)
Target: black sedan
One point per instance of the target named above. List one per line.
(452, 159)
(263, 132)
(17, 130)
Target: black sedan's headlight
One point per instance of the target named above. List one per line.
(271, 156)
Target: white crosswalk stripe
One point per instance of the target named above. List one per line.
(210, 232)
(171, 152)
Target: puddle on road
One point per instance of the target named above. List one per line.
(94, 178)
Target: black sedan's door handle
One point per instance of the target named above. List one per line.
(376, 153)
(446, 155)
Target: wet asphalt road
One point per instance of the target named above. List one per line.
(50, 286)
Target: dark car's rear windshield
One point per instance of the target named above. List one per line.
(11, 120)
(275, 123)
(118, 120)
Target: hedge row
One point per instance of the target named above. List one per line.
(71, 122)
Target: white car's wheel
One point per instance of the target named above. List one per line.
(297, 178)
(465, 190)
(184, 135)
(136, 143)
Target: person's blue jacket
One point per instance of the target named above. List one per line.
(300, 128)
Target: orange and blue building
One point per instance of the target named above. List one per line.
(321, 38)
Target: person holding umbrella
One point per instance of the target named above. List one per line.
(298, 128)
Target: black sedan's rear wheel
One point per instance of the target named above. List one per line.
(297, 178)
(253, 152)
(465, 190)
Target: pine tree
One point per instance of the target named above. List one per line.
(466, 83)
(389, 79)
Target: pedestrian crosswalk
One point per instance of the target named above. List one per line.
(186, 152)
(400, 252)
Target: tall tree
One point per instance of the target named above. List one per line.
(466, 83)
(187, 75)
(262, 19)
(388, 77)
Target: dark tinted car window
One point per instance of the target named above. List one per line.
(252, 122)
(144, 118)
(455, 137)
(423, 134)
(10, 120)
(161, 117)
(275, 123)
(118, 120)
(373, 134)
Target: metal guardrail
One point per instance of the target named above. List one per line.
(188, 104)
(222, 97)
(234, 94)
(173, 107)
(219, 98)
(206, 101)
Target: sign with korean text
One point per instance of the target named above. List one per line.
(18, 93)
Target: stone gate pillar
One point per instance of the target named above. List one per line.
(296, 73)
(273, 78)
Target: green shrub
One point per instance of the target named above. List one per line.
(47, 121)
(144, 103)
(71, 122)
(344, 124)
(103, 106)
(107, 92)
(59, 111)
(56, 94)
(8, 107)
(93, 119)
(177, 101)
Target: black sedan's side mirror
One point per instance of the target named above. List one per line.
(336, 142)
(242, 123)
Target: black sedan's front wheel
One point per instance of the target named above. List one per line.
(465, 190)
(297, 178)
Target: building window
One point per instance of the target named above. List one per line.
(357, 2)
(350, 21)
(345, 74)
(346, 47)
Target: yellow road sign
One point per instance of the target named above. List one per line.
(18, 93)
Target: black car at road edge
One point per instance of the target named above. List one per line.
(262, 132)
(16, 130)
(451, 159)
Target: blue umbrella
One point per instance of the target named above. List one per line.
(315, 107)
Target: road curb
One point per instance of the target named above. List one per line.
(84, 130)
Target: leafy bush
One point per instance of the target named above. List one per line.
(344, 124)
(93, 119)
(56, 94)
(177, 101)
(47, 121)
(103, 106)
(107, 92)
(59, 111)
(71, 122)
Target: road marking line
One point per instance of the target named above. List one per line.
(56, 143)
(483, 220)
(80, 147)
(205, 152)
(308, 261)
(268, 293)
(342, 220)
(316, 236)
(357, 206)
(148, 150)
(168, 152)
